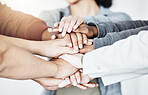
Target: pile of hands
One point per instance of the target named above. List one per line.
(70, 39)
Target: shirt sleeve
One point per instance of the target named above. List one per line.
(128, 56)
(21, 25)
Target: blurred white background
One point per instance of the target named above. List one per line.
(137, 9)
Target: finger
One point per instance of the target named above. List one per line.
(73, 80)
(85, 40)
(79, 36)
(68, 41)
(56, 24)
(61, 26)
(78, 77)
(79, 22)
(63, 84)
(49, 81)
(66, 26)
(73, 22)
(52, 88)
(81, 87)
(74, 41)
(49, 29)
(59, 36)
(91, 85)
(68, 86)
(89, 42)
(68, 80)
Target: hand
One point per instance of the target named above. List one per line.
(49, 83)
(90, 31)
(64, 68)
(69, 24)
(87, 49)
(74, 60)
(77, 40)
(48, 35)
(52, 48)
(80, 81)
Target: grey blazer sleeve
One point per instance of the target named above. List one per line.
(108, 27)
(113, 37)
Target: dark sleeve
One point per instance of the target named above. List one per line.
(108, 27)
(111, 38)
(21, 25)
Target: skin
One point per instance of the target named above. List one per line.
(44, 48)
(71, 23)
(13, 67)
(76, 23)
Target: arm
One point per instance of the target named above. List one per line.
(126, 56)
(108, 27)
(17, 24)
(17, 63)
(44, 48)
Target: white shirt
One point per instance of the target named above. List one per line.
(123, 60)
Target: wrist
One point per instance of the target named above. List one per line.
(34, 46)
(44, 35)
(95, 31)
(55, 69)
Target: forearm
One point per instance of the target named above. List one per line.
(126, 56)
(21, 25)
(111, 38)
(28, 45)
(17, 63)
(109, 27)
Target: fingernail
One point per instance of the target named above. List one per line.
(74, 83)
(60, 30)
(76, 47)
(85, 41)
(55, 30)
(60, 85)
(69, 30)
(75, 28)
(49, 29)
(70, 45)
(55, 25)
(53, 37)
(80, 46)
(97, 85)
(63, 34)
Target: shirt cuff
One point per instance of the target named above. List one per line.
(90, 68)
(90, 21)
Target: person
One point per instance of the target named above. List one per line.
(87, 9)
(121, 59)
(17, 24)
(20, 25)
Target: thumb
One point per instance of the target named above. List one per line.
(81, 30)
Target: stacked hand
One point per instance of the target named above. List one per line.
(74, 33)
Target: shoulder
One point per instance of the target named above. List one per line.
(108, 12)
(51, 16)
(121, 15)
